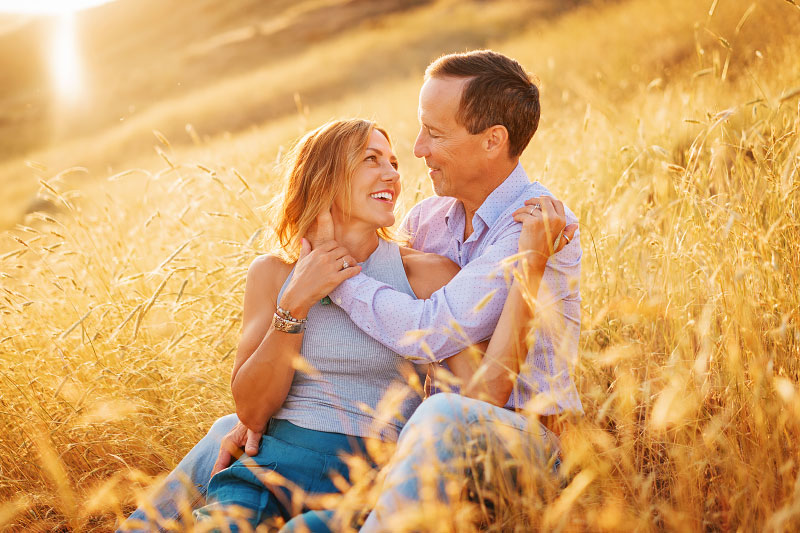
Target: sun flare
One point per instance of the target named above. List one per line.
(65, 62)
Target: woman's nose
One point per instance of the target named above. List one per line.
(391, 175)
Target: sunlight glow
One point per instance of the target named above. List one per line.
(65, 66)
(47, 7)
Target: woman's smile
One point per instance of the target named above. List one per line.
(385, 196)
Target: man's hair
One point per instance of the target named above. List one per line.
(318, 167)
(499, 92)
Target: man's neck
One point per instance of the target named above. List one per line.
(473, 202)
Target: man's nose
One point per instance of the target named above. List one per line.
(421, 145)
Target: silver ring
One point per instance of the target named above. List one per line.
(564, 235)
(345, 264)
(535, 207)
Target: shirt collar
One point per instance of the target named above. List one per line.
(490, 210)
(503, 196)
(455, 219)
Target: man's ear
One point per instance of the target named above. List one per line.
(495, 140)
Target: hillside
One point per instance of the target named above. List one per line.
(234, 66)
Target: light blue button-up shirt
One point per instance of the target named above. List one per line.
(450, 317)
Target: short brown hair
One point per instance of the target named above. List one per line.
(318, 167)
(499, 92)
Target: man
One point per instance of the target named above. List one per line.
(478, 112)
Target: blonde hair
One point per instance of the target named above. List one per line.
(318, 168)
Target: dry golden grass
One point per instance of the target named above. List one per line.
(670, 128)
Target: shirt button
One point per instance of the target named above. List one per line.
(338, 301)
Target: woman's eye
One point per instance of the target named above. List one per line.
(371, 158)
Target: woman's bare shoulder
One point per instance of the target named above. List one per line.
(427, 272)
(268, 272)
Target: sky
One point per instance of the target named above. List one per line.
(47, 7)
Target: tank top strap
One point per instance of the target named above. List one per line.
(385, 264)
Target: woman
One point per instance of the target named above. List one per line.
(312, 407)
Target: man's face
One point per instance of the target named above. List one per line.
(453, 155)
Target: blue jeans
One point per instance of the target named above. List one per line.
(305, 461)
(435, 443)
(185, 487)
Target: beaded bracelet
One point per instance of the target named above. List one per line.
(284, 321)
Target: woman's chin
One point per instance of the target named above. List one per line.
(378, 222)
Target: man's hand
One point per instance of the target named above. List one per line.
(321, 231)
(231, 446)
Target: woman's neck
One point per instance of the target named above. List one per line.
(359, 241)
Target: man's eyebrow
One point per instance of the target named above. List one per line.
(431, 128)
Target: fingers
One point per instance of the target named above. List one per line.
(347, 273)
(558, 205)
(325, 247)
(548, 215)
(325, 225)
(229, 447)
(253, 440)
(349, 260)
(543, 225)
(305, 248)
(322, 229)
(569, 233)
(330, 248)
(223, 461)
(340, 252)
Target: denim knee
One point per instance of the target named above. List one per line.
(222, 426)
(442, 408)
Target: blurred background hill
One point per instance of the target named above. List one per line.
(211, 67)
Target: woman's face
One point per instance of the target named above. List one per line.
(374, 186)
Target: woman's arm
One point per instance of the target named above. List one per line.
(262, 371)
(494, 380)
(265, 358)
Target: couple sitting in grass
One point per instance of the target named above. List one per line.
(326, 322)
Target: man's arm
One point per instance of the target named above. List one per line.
(464, 311)
(494, 381)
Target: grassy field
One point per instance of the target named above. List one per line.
(670, 127)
